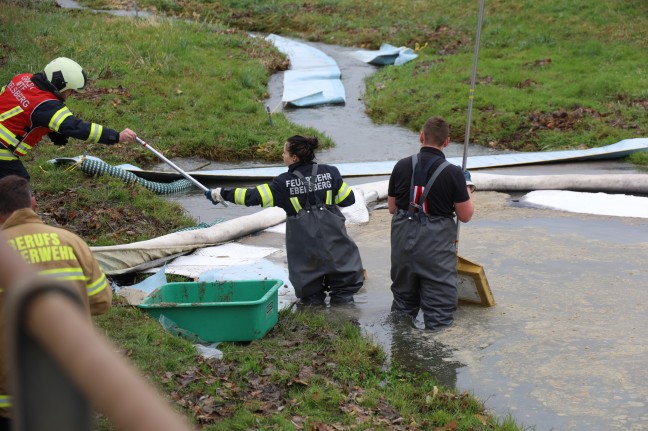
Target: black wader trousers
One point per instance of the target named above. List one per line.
(424, 267)
(321, 255)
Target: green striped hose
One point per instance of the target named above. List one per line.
(98, 167)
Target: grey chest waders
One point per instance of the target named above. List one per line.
(321, 254)
(424, 273)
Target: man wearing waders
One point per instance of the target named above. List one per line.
(425, 191)
(321, 255)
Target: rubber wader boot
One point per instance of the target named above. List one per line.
(313, 300)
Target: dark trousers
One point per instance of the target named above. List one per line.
(5, 424)
(322, 256)
(424, 268)
(13, 167)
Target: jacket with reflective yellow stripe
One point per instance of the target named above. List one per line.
(30, 108)
(289, 192)
(56, 253)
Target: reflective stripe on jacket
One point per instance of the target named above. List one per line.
(289, 192)
(18, 99)
(29, 110)
(59, 254)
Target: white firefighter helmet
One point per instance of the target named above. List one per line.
(65, 74)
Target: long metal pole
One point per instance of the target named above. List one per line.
(471, 95)
(174, 166)
(473, 78)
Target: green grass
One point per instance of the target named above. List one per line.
(192, 90)
(102, 210)
(545, 80)
(309, 370)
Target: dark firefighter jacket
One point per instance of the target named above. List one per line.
(289, 192)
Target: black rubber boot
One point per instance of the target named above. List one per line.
(341, 298)
(315, 299)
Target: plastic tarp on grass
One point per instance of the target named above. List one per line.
(387, 55)
(313, 77)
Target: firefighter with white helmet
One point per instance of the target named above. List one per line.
(65, 74)
(33, 105)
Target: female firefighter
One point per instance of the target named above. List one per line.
(321, 255)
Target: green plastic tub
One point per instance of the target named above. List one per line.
(218, 311)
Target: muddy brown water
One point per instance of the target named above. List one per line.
(563, 349)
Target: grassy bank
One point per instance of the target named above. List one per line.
(192, 90)
(551, 75)
(308, 372)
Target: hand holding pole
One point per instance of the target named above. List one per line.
(174, 166)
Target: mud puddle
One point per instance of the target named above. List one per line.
(563, 347)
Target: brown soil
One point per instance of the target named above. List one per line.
(89, 221)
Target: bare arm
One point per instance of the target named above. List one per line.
(391, 204)
(465, 210)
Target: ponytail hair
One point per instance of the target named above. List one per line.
(302, 147)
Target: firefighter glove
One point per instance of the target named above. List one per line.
(57, 138)
(214, 195)
(469, 182)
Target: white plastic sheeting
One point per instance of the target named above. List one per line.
(220, 256)
(570, 192)
(613, 151)
(588, 203)
(386, 55)
(313, 77)
(234, 261)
